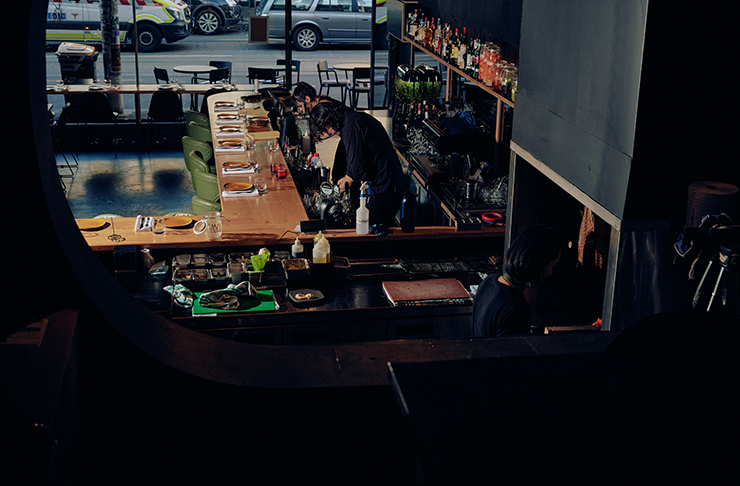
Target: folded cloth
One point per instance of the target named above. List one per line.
(254, 192)
(229, 150)
(236, 120)
(240, 170)
(229, 297)
(181, 295)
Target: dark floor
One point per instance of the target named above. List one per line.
(129, 183)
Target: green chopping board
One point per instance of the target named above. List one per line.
(266, 303)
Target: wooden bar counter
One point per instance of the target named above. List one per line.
(258, 220)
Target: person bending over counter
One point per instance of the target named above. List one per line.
(370, 157)
(499, 307)
(304, 99)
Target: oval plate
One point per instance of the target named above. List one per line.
(233, 164)
(230, 128)
(177, 221)
(239, 186)
(90, 224)
(228, 117)
(299, 296)
(224, 103)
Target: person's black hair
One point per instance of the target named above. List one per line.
(530, 253)
(303, 89)
(326, 115)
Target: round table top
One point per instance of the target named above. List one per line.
(194, 69)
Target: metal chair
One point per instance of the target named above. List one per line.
(328, 79)
(161, 74)
(296, 69)
(223, 65)
(165, 107)
(267, 75)
(58, 130)
(362, 84)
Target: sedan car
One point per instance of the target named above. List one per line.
(210, 16)
(327, 21)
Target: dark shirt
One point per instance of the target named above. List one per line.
(499, 309)
(370, 154)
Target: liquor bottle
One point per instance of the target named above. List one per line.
(462, 50)
(437, 37)
(476, 60)
(445, 42)
(429, 35)
(454, 50)
(411, 24)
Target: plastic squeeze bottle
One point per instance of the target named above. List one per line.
(297, 249)
(362, 217)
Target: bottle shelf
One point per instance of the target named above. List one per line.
(500, 96)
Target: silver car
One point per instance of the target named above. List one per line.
(326, 21)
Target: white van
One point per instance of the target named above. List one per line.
(79, 21)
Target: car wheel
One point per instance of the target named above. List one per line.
(149, 38)
(306, 38)
(207, 22)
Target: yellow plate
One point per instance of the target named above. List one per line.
(234, 164)
(90, 224)
(238, 186)
(229, 128)
(224, 103)
(177, 221)
(228, 117)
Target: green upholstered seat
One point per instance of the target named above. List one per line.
(197, 117)
(205, 150)
(202, 206)
(199, 132)
(206, 185)
(194, 161)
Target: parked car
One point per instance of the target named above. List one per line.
(328, 22)
(210, 16)
(75, 21)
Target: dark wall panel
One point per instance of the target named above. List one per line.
(579, 80)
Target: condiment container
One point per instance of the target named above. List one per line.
(236, 272)
(296, 269)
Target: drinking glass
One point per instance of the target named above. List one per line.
(159, 226)
(281, 172)
(272, 145)
(213, 224)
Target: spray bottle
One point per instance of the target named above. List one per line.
(363, 213)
